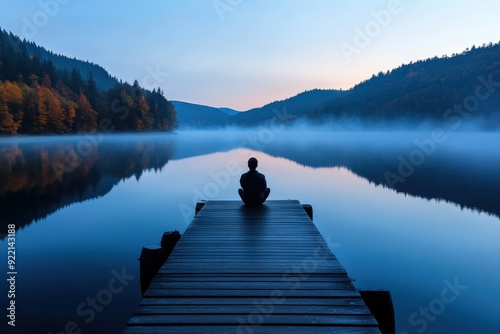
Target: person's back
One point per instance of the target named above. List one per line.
(254, 186)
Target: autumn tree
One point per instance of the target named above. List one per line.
(12, 96)
(7, 124)
(38, 97)
(55, 112)
(69, 109)
(46, 82)
(141, 110)
(86, 117)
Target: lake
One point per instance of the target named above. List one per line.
(416, 213)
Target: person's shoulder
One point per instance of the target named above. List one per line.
(246, 174)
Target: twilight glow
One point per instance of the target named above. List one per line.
(244, 54)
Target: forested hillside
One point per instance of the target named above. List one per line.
(464, 85)
(192, 115)
(36, 97)
(102, 78)
(294, 107)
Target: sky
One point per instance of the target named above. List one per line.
(243, 54)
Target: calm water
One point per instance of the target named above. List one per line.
(85, 206)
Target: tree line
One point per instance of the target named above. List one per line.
(425, 90)
(38, 98)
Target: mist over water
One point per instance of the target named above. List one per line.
(405, 211)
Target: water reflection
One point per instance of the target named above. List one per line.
(385, 240)
(38, 177)
(463, 170)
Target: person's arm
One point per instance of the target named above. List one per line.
(263, 183)
(242, 181)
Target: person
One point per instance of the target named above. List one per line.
(254, 190)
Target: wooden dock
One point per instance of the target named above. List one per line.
(252, 270)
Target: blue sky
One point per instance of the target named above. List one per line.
(246, 53)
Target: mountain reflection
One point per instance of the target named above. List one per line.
(463, 170)
(39, 176)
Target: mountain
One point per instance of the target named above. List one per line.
(449, 90)
(446, 90)
(195, 115)
(102, 78)
(229, 111)
(296, 107)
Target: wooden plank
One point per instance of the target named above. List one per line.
(303, 285)
(248, 309)
(207, 329)
(255, 279)
(304, 301)
(249, 293)
(234, 263)
(273, 319)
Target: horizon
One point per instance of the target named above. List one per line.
(243, 55)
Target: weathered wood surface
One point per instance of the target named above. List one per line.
(258, 270)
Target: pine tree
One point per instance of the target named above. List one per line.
(165, 116)
(76, 83)
(35, 117)
(128, 119)
(143, 116)
(49, 70)
(91, 91)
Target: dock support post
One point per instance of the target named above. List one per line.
(309, 210)
(153, 256)
(199, 206)
(380, 304)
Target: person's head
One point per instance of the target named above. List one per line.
(252, 163)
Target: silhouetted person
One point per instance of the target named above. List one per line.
(255, 190)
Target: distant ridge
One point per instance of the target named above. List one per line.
(463, 88)
(195, 115)
(297, 106)
(229, 111)
(425, 91)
